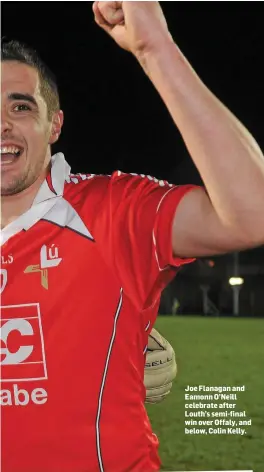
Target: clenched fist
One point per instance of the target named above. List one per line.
(137, 27)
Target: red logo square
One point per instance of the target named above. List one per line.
(22, 353)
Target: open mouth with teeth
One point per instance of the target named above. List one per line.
(10, 153)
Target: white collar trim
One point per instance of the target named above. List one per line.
(44, 200)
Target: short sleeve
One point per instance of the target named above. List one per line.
(134, 229)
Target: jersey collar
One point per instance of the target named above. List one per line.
(53, 185)
(50, 191)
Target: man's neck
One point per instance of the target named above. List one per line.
(13, 206)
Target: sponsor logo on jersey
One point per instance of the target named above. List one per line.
(21, 397)
(49, 257)
(22, 354)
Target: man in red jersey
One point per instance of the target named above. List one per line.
(85, 258)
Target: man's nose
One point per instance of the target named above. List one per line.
(6, 122)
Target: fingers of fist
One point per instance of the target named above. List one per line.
(108, 14)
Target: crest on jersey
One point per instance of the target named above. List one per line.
(48, 259)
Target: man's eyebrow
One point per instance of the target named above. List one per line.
(23, 96)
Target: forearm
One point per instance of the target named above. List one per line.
(227, 156)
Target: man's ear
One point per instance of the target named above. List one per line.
(57, 122)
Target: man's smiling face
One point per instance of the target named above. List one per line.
(26, 131)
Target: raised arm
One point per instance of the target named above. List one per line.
(230, 214)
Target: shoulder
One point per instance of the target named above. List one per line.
(80, 184)
(79, 187)
(97, 194)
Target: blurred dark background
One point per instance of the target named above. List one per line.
(114, 119)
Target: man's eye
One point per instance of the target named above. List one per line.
(21, 108)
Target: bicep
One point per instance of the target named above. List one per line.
(198, 231)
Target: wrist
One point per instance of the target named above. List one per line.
(162, 46)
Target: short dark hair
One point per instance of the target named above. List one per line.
(12, 50)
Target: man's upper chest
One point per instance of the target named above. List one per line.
(51, 265)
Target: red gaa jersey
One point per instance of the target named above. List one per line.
(81, 278)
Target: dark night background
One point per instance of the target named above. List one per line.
(114, 119)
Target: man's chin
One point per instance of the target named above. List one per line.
(12, 188)
(7, 192)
